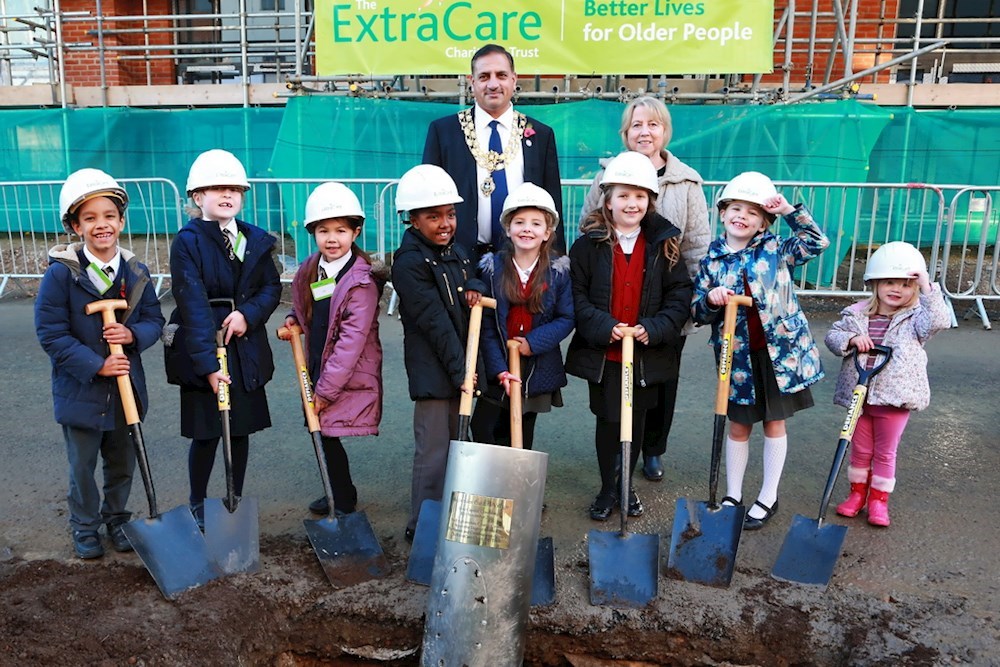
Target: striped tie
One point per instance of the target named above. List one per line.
(229, 244)
(109, 271)
(322, 273)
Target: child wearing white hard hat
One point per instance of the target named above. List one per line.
(530, 282)
(223, 278)
(84, 372)
(335, 301)
(627, 271)
(437, 286)
(904, 310)
(775, 358)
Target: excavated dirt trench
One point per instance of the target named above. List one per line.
(109, 613)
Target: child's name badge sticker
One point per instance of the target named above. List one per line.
(100, 279)
(240, 247)
(323, 289)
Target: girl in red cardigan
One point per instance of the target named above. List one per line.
(626, 272)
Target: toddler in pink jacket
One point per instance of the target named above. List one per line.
(335, 299)
(902, 313)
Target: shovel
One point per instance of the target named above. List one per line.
(811, 549)
(623, 566)
(706, 536)
(232, 527)
(420, 565)
(543, 583)
(346, 546)
(169, 544)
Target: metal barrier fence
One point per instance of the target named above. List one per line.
(30, 226)
(959, 238)
(969, 265)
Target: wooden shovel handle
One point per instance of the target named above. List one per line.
(628, 375)
(472, 352)
(293, 335)
(726, 351)
(107, 308)
(516, 420)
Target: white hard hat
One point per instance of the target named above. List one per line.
(216, 168)
(527, 195)
(86, 184)
(425, 186)
(894, 260)
(751, 186)
(331, 200)
(631, 168)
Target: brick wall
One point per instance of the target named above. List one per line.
(83, 67)
(871, 22)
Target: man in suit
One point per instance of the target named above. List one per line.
(491, 149)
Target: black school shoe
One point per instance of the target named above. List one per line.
(652, 468)
(320, 506)
(119, 541)
(635, 508)
(602, 506)
(749, 523)
(87, 544)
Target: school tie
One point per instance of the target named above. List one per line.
(229, 244)
(321, 275)
(499, 193)
(109, 271)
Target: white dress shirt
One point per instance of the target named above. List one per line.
(115, 265)
(627, 241)
(336, 266)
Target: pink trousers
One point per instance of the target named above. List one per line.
(876, 438)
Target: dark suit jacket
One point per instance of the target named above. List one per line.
(446, 147)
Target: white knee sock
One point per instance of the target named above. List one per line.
(737, 453)
(774, 461)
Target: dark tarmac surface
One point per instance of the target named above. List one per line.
(924, 591)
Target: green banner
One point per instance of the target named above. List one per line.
(388, 37)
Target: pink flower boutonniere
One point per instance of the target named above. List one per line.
(528, 133)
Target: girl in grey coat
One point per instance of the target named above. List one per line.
(902, 313)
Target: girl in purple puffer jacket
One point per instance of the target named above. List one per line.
(335, 297)
(902, 313)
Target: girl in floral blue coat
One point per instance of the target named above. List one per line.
(775, 358)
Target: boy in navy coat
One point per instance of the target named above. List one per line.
(84, 385)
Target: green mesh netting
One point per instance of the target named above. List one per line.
(324, 137)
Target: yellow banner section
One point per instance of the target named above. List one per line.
(386, 37)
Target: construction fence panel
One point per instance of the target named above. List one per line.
(30, 225)
(968, 258)
(857, 217)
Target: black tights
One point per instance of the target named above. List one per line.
(201, 458)
(608, 443)
(345, 495)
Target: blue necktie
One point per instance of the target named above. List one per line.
(499, 193)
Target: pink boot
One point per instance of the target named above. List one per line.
(855, 501)
(860, 478)
(878, 507)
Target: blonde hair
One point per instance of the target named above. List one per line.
(654, 106)
(600, 221)
(873, 302)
